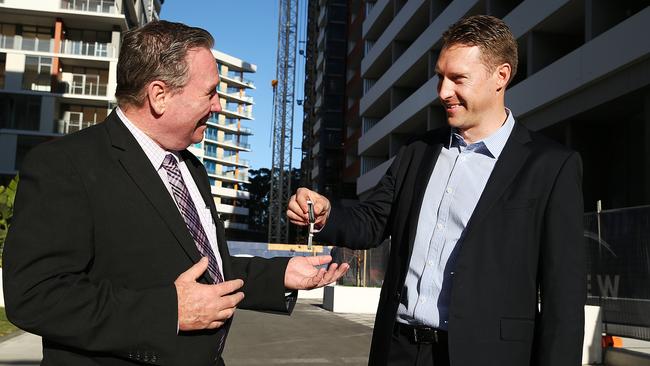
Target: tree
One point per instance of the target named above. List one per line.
(7, 197)
(258, 205)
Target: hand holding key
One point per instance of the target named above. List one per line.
(298, 209)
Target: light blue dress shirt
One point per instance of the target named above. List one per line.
(454, 188)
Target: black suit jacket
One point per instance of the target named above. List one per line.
(525, 235)
(94, 249)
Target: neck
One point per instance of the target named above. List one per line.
(487, 126)
(139, 117)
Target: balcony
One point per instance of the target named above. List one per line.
(235, 96)
(82, 84)
(65, 126)
(238, 80)
(228, 160)
(230, 193)
(234, 144)
(93, 6)
(246, 113)
(235, 225)
(230, 127)
(81, 48)
(230, 176)
(26, 44)
(223, 208)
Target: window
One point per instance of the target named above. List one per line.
(37, 38)
(22, 112)
(37, 73)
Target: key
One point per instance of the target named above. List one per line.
(312, 219)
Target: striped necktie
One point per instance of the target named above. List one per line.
(191, 216)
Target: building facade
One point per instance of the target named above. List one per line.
(225, 139)
(324, 104)
(58, 62)
(583, 80)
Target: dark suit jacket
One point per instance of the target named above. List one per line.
(94, 249)
(525, 235)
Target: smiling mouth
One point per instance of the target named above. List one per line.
(452, 106)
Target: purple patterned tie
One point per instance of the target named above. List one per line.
(191, 216)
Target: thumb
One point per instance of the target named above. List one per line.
(195, 271)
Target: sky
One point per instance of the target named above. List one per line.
(248, 30)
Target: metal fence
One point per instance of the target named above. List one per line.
(618, 243)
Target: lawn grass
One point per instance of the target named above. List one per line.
(5, 327)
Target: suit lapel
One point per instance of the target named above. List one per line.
(138, 167)
(510, 162)
(200, 178)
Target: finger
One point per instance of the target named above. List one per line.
(329, 276)
(295, 219)
(195, 271)
(228, 287)
(225, 314)
(319, 260)
(321, 206)
(229, 301)
(340, 272)
(215, 324)
(302, 196)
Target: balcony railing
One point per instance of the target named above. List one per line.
(233, 159)
(231, 126)
(239, 79)
(246, 113)
(237, 96)
(86, 88)
(26, 44)
(66, 127)
(94, 6)
(82, 48)
(243, 145)
(241, 176)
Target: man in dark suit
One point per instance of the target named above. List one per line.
(484, 218)
(117, 255)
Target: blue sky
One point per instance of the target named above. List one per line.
(246, 29)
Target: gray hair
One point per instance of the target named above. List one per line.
(156, 51)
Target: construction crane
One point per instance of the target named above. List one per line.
(283, 98)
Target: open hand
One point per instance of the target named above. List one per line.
(302, 272)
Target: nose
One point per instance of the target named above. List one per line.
(215, 105)
(445, 89)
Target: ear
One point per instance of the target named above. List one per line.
(157, 95)
(502, 75)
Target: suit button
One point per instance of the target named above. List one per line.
(452, 273)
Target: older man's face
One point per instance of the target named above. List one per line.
(189, 109)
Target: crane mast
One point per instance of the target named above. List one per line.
(283, 99)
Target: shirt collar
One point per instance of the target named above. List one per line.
(491, 146)
(154, 152)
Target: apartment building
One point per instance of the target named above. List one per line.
(58, 60)
(324, 106)
(225, 139)
(583, 80)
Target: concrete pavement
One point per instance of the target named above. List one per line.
(310, 336)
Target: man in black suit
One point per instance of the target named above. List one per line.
(484, 218)
(117, 255)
